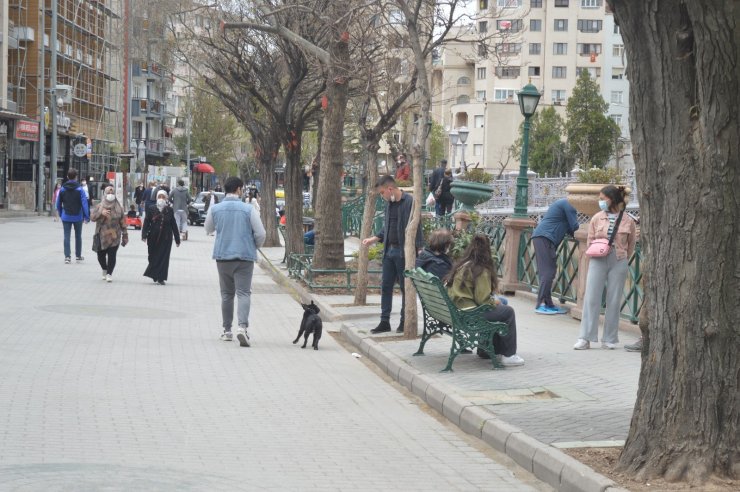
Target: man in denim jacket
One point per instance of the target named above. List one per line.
(239, 234)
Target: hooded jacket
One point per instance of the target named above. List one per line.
(438, 265)
(72, 203)
(180, 198)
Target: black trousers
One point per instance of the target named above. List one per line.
(107, 259)
(504, 345)
(546, 255)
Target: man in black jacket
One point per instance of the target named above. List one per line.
(435, 181)
(397, 215)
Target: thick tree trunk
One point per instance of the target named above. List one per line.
(266, 154)
(294, 193)
(367, 221)
(329, 251)
(315, 170)
(684, 73)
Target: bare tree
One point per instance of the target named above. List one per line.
(684, 74)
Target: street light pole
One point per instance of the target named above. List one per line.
(463, 133)
(453, 140)
(529, 97)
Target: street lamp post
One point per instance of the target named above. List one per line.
(453, 140)
(463, 133)
(529, 97)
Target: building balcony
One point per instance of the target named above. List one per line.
(149, 108)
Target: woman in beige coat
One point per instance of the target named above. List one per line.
(110, 223)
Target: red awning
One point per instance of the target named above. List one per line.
(203, 168)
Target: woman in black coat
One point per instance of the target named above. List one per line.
(158, 231)
(446, 200)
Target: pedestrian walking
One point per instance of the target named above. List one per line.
(158, 231)
(611, 269)
(398, 207)
(180, 200)
(73, 207)
(139, 198)
(473, 282)
(85, 188)
(149, 197)
(240, 234)
(403, 170)
(560, 219)
(112, 231)
(434, 181)
(54, 196)
(434, 258)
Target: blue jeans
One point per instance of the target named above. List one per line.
(393, 266)
(78, 238)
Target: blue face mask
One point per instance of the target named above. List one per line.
(603, 206)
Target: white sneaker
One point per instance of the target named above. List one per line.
(608, 346)
(105, 274)
(227, 336)
(514, 360)
(243, 336)
(108, 278)
(582, 344)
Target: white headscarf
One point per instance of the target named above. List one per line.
(163, 194)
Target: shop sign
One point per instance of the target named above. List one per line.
(27, 130)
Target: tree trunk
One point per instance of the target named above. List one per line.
(329, 251)
(367, 221)
(684, 107)
(293, 193)
(315, 170)
(266, 154)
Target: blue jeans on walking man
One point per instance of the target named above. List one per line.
(78, 238)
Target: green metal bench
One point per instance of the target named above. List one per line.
(468, 328)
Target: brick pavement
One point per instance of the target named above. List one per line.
(126, 386)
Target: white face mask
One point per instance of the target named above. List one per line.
(161, 203)
(392, 197)
(110, 197)
(603, 205)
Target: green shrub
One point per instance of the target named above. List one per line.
(601, 176)
(477, 176)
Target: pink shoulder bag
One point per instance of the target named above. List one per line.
(601, 247)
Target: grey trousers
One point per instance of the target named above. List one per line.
(613, 272)
(235, 277)
(181, 219)
(546, 254)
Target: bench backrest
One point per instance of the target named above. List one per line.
(433, 295)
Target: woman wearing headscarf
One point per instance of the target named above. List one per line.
(110, 225)
(159, 229)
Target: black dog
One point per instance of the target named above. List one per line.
(311, 323)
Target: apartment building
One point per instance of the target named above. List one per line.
(86, 94)
(516, 42)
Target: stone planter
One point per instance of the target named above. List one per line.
(585, 197)
(471, 194)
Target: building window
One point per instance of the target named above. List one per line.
(508, 3)
(483, 4)
(585, 49)
(587, 25)
(593, 72)
(559, 48)
(559, 72)
(558, 96)
(477, 149)
(463, 99)
(478, 121)
(483, 27)
(616, 29)
(590, 4)
(463, 81)
(535, 4)
(617, 97)
(561, 25)
(480, 96)
(618, 50)
(507, 72)
(617, 118)
(561, 3)
(617, 73)
(481, 73)
(510, 25)
(534, 71)
(535, 25)
(535, 48)
(504, 94)
(509, 48)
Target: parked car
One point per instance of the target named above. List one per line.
(196, 208)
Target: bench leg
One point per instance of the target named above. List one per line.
(424, 338)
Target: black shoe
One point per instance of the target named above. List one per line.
(160, 282)
(483, 354)
(400, 328)
(382, 327)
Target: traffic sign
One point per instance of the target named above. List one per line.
(80, 150)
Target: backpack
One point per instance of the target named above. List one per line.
(71, 201)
